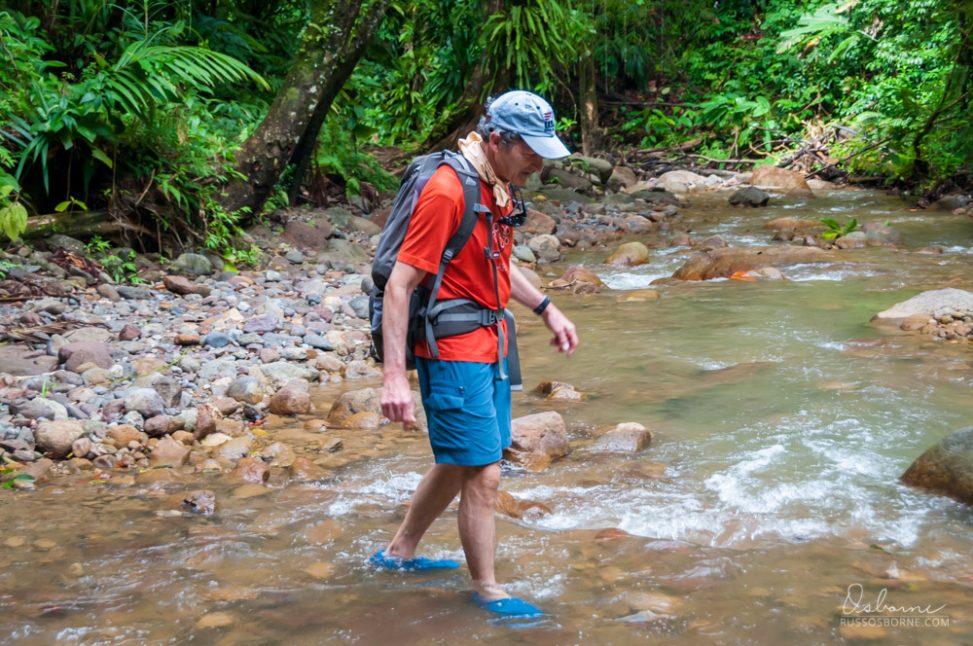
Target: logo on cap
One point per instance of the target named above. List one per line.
(549, 122)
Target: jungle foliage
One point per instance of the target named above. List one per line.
(143, 105)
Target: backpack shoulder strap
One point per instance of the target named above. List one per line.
(470, 181)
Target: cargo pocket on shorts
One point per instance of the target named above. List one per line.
(446, 398)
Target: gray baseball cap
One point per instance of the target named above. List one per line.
(532, 118)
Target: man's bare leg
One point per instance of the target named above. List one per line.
(477, 527)
(436, 490)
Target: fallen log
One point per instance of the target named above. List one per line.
(80, 224)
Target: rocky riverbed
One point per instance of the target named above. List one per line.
(744, 427)
(183, 370)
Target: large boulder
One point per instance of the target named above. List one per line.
(933, 303)
(629, 254)
(723, 263)
(946, 468)
(56, 438)
(540, 433)
(781, 179)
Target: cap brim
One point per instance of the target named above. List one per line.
(546, 147)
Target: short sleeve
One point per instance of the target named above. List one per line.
(436, 217)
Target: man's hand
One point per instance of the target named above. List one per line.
(397, 402)
(565, 336)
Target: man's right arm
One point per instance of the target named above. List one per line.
(397, 402)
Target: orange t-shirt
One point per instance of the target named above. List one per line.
(436, 218)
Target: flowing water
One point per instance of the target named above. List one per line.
(767, 509)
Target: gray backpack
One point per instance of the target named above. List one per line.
(430, 318)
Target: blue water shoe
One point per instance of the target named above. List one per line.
(418, 564)
(510, 607)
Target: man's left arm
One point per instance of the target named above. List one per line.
(565, 336)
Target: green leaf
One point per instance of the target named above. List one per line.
(98, 154)
(13, 220)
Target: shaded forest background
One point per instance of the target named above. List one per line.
(186, 120)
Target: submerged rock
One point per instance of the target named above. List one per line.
(723, 263)
(946, 468)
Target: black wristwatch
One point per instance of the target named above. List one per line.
(542, 306)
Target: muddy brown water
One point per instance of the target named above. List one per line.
(767, 509)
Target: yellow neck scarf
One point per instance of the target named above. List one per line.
(473, 151)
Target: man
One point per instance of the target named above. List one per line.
(466, 391)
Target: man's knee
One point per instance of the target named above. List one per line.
(483, 480)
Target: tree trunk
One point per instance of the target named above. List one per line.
(468, 108)
(590, 130)
(333, 41)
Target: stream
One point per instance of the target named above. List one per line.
(767, 509)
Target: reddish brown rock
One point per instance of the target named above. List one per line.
(251, 470)
(74, 355)
(183, 286)
(304, 470)
(169, 453)
(508, 505)
(781, 179)
(578, 274)
(538, 222)
(122, 434)
(206, 417)
(293, 399)
(188, 339)
(629, 254)
(157, 426)
(723, 263)
(308, 236)
(540, 432)
(129, 332)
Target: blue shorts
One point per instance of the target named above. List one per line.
(468, 410)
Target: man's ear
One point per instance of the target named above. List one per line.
(494, 138)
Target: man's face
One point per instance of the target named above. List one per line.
(515, 162)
